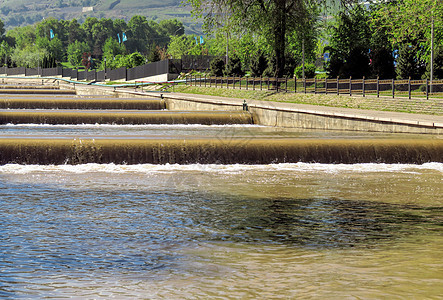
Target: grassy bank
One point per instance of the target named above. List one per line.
(400, 104)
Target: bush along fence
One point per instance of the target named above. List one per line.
(376, 87)
(168, 66)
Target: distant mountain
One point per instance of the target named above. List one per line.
(24, 12)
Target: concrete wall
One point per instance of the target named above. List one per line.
(294, 115)
(310, 117)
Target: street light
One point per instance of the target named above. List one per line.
(6, 56)
(105, 68)
(432, 43)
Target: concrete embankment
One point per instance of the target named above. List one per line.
(294, 115)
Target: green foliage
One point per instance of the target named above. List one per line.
(22, 36)
(269, 20)
(75, 52)
(2, 28)
(309, 71)
(28, 57)
(141, 34)
(5, 51)
(154, 54)
(410, 20)
(179, 46)
(217, 66)
(408, 65)
(438, 64)
(135, 59)
(258, 65)
(171, 27)
(350, 42)
(234, 67)
(53, 47)
(112, 48)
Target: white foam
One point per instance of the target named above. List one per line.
(213, 168)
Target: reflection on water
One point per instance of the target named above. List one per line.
(295, 230)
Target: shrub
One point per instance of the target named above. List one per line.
(217, 66)
(258, 65)
(309, 71)
(234, 67)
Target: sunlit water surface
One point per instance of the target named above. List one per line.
(221, 231)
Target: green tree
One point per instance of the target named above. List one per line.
(101, 30)
(438, 64)
(172, 27)
(87, 29)
(410, 22)
(135, 59)
(270, 19)
(408, 65)
(179, 46)
(234, 67)
(258, 65)
(75, 52)
(75, 32)
(5, 52)
(217, 66)
(2, 28)
(350, 44)
(30, 57)
(22, 36)
(141, 35)
(53, 47)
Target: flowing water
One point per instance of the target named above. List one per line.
(292, 231)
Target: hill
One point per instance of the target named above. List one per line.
(24, 12)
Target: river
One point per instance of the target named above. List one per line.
(291, 231)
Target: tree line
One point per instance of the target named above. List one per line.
(386, 39)
(53, 41)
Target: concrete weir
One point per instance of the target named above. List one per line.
(81, 103)
(123, 117)
(189, 148)
(217, 151)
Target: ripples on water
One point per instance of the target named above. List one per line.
(100, 231)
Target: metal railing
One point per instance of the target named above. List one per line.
(364, 87)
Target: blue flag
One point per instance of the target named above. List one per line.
(201, 40)
(196, 41)
(124, 38)
(119, 41)
(51, 34)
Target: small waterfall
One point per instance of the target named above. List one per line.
(218, 151)
(82, 103)
(124, 117)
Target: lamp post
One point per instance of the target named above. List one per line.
(105, 68)
(432, 45)
(432, 51)
(6, 56)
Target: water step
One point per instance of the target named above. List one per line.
(29, 86)
(217, 151)
(24, 116)
(81, 103)
(36, 91)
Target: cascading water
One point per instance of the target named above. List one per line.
(216, 211)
